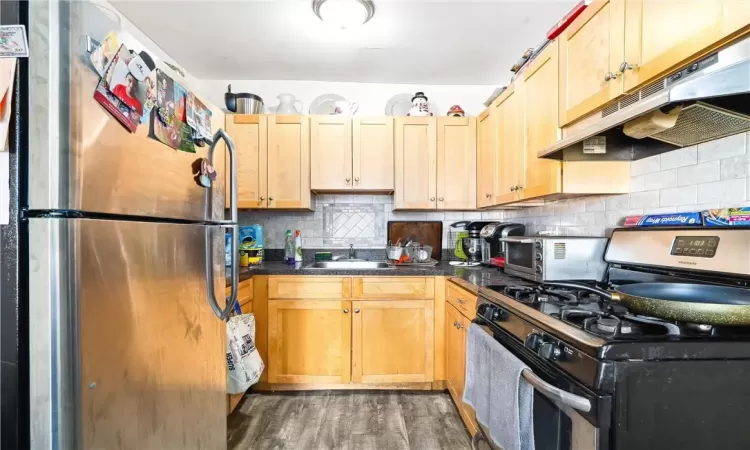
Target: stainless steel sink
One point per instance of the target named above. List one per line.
(351, 264)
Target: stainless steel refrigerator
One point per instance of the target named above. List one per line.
(126, 340)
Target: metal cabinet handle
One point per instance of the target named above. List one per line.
(454, 323)
(231, 300)
(557, 394)
(512, 188)
(346, 310)
(356, 179)
(459, 326)
(441, 199)
(626, 66)
(356, 310)
(432, 199)
(488, 195)
(270, 199)
(610, 76)
(348, 179)
(262, 198)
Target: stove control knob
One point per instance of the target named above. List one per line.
(538, 269)
(533, 341)
(550, 351)
(538, 245)
(538, 256)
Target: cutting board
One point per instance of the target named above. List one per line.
(425, 232)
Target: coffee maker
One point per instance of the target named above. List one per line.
(472, 242)
(492, 239)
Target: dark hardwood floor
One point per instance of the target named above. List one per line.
(347, 420)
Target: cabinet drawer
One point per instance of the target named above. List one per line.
(244, 291)
(463, 300)
(309, 287)
(391, 288)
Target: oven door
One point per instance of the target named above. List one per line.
(567, 415)
(519, 257)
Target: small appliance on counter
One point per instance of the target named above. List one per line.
(551, 258)
(493, 246)
(243, 102)
(465, 238)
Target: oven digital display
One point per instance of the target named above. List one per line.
(695, 246)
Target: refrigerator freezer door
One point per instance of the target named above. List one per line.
(80, 157)
(125, 350)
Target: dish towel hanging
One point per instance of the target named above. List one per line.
(501, 398)
(244, 364)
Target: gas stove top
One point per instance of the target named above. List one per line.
(611, 322)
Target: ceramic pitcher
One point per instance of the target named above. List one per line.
(287, 104)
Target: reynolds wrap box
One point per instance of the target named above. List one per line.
(724, 217)
(664, 220)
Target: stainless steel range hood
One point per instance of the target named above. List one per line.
(710, 99)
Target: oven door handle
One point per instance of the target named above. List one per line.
(557, 394)
(517, 241)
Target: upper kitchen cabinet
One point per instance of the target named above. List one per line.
(510, 150)
(660, 35)
(288, 162)
(541, 125)
(372, 153)
(416, 159)
(456, 163)
(331, 153)
(486, 153)
(591, 50)
(351, 154)
(249, 135)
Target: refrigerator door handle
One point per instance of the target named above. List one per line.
(232, 299)
(222, 314)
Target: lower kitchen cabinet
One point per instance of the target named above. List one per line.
(309, 341)
(393, 341)
(456, 325)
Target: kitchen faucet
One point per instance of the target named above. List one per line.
(351, 251)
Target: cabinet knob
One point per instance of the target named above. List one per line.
(270, 199)
(512, 188)
(610, 76)
(519, 187)
(356, 310)
(262, 198)
(348, 179)
(441, 199)
(626, 66)
(454, 323)
(432, 199)
(488, 195)
(459, 326)
(346, 310)
(356, 179)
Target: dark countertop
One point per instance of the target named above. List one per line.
(471, 278)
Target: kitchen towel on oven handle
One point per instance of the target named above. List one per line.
(502, 399)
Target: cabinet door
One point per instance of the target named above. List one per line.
(249, 135)
(486, 165)
(330, 153)
(456, 163)
(373, 153)
(393, 341)
(541, 126)
(309, 341)
(661, 34)
(416, 159)
(591, 48)
(510, 145)
(288, 161)
(735, 16)
(455, 353)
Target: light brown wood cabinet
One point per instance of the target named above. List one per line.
(351, 154)
(456, 162)
(322, 332)
(486, 156)
(392, 341)
(510, 155)
(309, 341)
(273, 161)
(435, 157)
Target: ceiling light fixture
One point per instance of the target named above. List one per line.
(344, 13)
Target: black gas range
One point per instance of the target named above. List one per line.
(613, 379)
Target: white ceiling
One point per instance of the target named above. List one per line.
(407, 41)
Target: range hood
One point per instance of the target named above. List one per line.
(705, 100)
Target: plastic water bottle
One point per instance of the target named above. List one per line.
(289, 248)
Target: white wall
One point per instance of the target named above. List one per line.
(371, 97)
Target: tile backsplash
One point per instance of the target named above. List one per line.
(710, 175)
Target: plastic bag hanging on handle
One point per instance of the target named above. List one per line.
(244, 364)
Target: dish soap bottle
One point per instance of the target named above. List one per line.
(289, 249)
(298, 246)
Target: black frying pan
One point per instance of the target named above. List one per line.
(684, 302)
